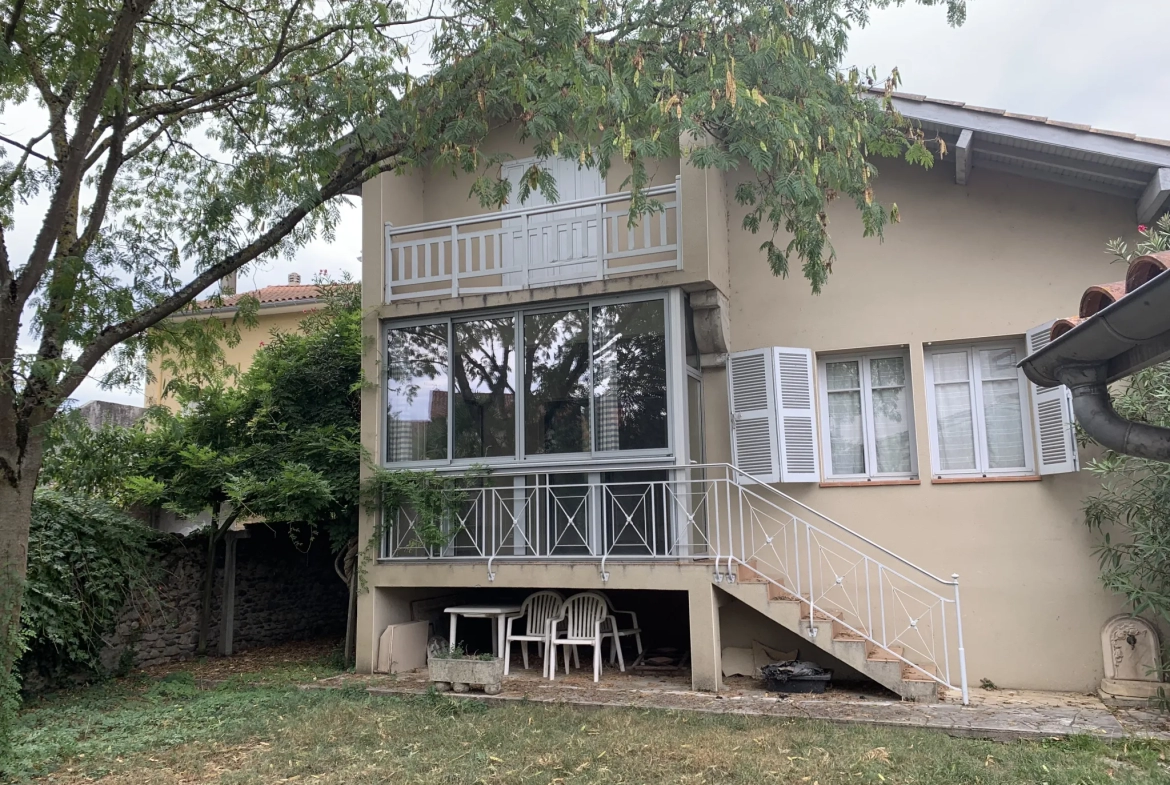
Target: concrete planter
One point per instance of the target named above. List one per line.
(462, 674)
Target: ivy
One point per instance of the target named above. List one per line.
(85, 561)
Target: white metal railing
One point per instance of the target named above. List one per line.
(569, 242)
(713, 512)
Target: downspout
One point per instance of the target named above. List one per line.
(1094, 412)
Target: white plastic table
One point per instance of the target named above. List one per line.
(496, 613)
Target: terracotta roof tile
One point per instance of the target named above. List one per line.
(1141, 271)
(1062, 326)
(283, 293)
(1146, 268)
(1099, 296)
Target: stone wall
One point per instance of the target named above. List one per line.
(282, 594)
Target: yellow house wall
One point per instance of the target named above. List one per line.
(284, 319)
(992, 259)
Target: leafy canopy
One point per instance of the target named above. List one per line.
(175, 141)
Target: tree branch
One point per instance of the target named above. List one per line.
(71, 164)
(28, 148)
(345, 177)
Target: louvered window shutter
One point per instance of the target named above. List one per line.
(796, 415)
(753, 415)
(1052, 417)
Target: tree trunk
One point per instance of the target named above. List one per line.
(16, 499)
(351, 580)
(208, 584)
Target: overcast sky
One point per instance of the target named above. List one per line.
(1101, 62)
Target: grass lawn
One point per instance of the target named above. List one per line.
(260, 728)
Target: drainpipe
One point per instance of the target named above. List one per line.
(1095, 413)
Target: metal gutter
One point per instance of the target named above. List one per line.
(1125, 337)
(1118, 341)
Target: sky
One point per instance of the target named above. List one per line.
(1100, 62)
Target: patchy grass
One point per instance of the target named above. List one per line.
(260, 728)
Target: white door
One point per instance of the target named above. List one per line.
(563, 245)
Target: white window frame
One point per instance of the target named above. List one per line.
(863, 360)
(975, 381)
(675, 377)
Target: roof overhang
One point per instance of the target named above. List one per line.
(1078, 156)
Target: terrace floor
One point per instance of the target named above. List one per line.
(993, 714)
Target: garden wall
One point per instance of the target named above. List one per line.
(282, 594)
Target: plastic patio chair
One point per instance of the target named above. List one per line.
(616, 633)
(581, 618)
(538, 610)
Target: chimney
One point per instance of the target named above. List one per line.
(294, 279)
(227, 284)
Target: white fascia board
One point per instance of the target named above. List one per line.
(1071, 138)
(1155, 197)
(964, 157)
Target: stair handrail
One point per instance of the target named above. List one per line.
(822, 516)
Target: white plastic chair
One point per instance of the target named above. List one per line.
(616, 633)
(538, 610)
(581, 618)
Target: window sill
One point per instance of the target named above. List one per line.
(960, 480)
(866, 483)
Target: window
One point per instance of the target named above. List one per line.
(978, 410)
(629, 376)
(579, 380)
(416, 393)
(867, 422)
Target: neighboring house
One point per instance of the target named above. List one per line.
(281, 309)
(662, 414)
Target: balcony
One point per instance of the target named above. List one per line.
(569, 242)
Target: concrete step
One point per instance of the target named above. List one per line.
(843, 633)
(822, 615)
(746, 573)
(911, 673)
(780, 594)
(877, 654)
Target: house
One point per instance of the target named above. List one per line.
(281, 309)
(865, 474)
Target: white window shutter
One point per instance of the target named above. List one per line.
(1052, 417)
(796, 415)
(752, 400)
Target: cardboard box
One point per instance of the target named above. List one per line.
(403, 647)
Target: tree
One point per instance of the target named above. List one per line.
(1132, 510)
(180, 140)
(205, 461)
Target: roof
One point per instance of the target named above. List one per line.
(1112, 162)
(1124, 324)
(272, 294)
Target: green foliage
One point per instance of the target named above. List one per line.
(85, 560)
(88, 461)
(1131, 513)
(433, 499)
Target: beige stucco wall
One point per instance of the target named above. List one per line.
(991, 259)
(283, 319)
(987, 260)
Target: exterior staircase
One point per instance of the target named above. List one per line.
(888, 667)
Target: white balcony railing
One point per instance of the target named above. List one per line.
(570, 242)
(715, 513)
